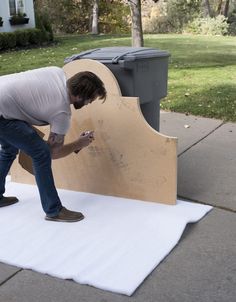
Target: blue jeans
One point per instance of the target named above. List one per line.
(18, 135)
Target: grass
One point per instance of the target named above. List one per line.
(202, 70)
(202, 75)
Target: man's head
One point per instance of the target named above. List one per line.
(84, 87)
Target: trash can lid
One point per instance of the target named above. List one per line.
(116, 54)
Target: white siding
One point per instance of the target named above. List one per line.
(5, 14)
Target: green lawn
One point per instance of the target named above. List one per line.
(202, 70)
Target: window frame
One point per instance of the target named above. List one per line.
(19, 7)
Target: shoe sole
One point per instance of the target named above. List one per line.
(8, 204)
(63, 220)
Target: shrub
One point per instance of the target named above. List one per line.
(74, 16)
(171, 16)
(7, 40)
(232, 29)
(208, 26)
(2, 41)
(67, 16)
(157, 25)
(114, 17)
(232, 23)
(181, 12)
(43, 23)
(22, 38)
(34, 36)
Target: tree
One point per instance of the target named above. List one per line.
(95, 17)
(223, 7)
(182, 12)
(207, 8)
(137, 30)
(136, 16)
(219, 8)
(226, 9)
(67, 16)
(109, 16)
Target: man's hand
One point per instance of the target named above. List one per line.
(85, 139)
(59, 150)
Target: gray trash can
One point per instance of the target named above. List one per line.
(140, 71)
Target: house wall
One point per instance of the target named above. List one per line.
(5, 14)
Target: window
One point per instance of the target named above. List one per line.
(16, 7)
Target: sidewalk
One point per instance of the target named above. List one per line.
(202, 266)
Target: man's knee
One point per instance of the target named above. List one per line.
(43, 153)
(8, 152)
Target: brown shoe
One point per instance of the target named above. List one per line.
(66, 216)
(8, 201)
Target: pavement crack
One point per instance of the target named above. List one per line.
(207, 204)
(10, 277)
(201, 139)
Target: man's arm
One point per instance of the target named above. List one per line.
(59, 150)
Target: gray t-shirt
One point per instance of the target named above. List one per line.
(37, 97)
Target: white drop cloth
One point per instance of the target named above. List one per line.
(114, 248)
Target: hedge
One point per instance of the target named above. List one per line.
(22, 38)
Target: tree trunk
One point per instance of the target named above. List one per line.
(207, 8)
(95, 18)
(219, 9)
(226, 10)
(137, 31)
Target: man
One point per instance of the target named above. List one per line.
(39, 97)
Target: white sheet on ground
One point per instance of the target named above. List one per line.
(114, 248)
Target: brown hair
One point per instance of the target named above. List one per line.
(87, 85)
